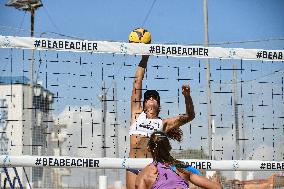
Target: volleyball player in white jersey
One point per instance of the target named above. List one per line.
(145, 120)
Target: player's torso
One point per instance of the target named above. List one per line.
(144, 126)
(140, 131)
(138, 147)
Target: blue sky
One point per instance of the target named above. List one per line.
(170, 22)
(178, 22)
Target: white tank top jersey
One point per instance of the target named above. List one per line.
(144, 126)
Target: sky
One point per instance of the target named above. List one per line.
(240, 24)
(180, 22)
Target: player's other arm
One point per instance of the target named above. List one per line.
(174, 122)
(204, 182)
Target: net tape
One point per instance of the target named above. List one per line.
(124, 163)
(139, 49)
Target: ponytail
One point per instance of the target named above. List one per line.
(175, 134)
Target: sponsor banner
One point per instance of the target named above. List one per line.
(136, 163)
(138, 49)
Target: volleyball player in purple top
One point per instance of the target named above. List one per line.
(165, 172)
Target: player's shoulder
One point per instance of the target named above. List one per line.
(148, 171)
(151, 168)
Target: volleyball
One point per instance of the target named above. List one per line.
(140, 35)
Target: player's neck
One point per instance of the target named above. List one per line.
(151, 114)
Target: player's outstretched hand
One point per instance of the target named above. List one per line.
(185, 90)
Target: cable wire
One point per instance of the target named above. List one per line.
(149, 12)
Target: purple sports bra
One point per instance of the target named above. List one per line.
(168, 179)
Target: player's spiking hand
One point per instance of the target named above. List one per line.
(185, 90)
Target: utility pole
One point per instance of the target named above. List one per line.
(116, 127)
(103, 177)
(208, 75)
(238, 174)
(30, 6)
(236, 113)
(104, 110)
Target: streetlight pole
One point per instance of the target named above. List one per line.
(32, 21)
(208, 72)
(104, 118)
(30, 6)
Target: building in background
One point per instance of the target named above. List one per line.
(58, 137)
(25, 129)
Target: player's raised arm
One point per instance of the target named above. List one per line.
(136, 96)
(175, 122)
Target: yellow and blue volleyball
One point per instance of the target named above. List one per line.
(140, 35)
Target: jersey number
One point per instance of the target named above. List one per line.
(166, 176)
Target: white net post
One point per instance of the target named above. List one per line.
(103, 182)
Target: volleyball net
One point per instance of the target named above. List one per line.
(136, 49)
(81, 106)
(136, 163)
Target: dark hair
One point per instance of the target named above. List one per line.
(175, 134)
(160, 148)
(152, 93)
